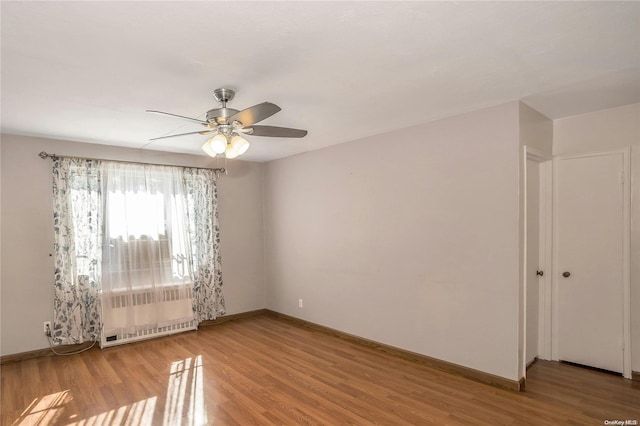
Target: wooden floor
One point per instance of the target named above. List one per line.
(264, 370)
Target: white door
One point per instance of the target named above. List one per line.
(590, 207)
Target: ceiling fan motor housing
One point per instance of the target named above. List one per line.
(220, 115)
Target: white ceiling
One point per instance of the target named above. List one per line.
(87, 71)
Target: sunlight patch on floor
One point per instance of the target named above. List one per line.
(45, 410)
(185, 393)
(138, 413)
(184, 404)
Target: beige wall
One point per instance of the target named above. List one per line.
(407, 238)
(411, 238)
(606, 130)
(1, 245)
(536, 130)
(27, 231)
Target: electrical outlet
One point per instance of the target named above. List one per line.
(47, 327)
(300, 304)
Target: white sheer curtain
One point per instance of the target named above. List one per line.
(145, 269)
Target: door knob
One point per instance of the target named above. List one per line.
(566, 274)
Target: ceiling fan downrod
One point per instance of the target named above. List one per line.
(218, 116)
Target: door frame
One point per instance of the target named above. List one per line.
(544, 254)
(626, 264)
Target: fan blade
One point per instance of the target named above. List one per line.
(205, 132)
(277, 132)
(179, 116)
(255, 113)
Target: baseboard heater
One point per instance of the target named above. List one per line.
(120, 339)
(174, 301)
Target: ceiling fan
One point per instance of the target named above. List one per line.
(228, 126)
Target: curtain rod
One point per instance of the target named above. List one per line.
(44, 155)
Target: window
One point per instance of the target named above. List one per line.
(145, 270)
(136, 249)
(144, 239)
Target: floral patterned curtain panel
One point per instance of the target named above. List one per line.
(77, 227)
(204, 231)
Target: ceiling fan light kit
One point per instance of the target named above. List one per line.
(222, 144)
(239, 144)
(228, 125)
(217, 144)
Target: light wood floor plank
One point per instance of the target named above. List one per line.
(266, 370)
